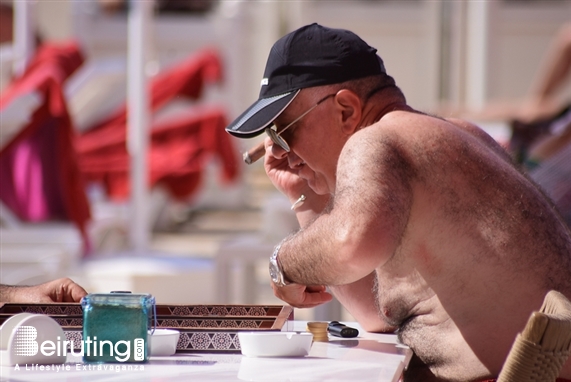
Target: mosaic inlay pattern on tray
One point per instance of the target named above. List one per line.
(208, 341)
(203, 310)
(219, 324)
(72, 310)
(201, 330)
(69, 321)
(188, 341)
(198, 310)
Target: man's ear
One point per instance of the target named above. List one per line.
(349, 104)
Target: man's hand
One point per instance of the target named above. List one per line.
(283, 177)
(289, 183)
(60, 290)
(301, 296)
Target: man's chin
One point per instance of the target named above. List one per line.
(323, 190)
(320, 188)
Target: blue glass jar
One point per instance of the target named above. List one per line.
(115, 326)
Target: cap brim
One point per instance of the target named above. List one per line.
(260, 115)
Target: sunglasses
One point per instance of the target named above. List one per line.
(276, 137)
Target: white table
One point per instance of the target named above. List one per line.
(369, 357)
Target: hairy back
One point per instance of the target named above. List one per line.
(481, 246)
(483, 190)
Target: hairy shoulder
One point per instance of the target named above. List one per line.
(404, 149)
(426, 140)
(374, 182)
(482, 136)
(377, 152)
(397, 142)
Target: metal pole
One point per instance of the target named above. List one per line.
(478, 26)
(140, 17)
(24, 29)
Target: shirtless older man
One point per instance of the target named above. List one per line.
(414, 222)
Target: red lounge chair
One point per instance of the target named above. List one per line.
(40, 177)
(178, 148)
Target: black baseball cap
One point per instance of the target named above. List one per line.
(312, 55)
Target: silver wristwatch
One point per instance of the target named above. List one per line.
(276, 272)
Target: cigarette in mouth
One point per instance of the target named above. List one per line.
(254, 153)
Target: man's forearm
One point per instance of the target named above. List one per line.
(59, 290)
(324, 253)
(7, 293)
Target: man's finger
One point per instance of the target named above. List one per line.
(316, 288)
(73, 292)
(316, 298)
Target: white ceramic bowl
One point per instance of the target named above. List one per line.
(163, 342)
(16, 330)
(275, 344)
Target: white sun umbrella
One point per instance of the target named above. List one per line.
(138, 117)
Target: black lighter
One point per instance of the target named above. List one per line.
(338, 329)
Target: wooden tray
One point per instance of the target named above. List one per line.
(203, 328)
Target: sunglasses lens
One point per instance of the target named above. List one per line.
(277, 139)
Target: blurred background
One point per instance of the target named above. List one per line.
(115, 169)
